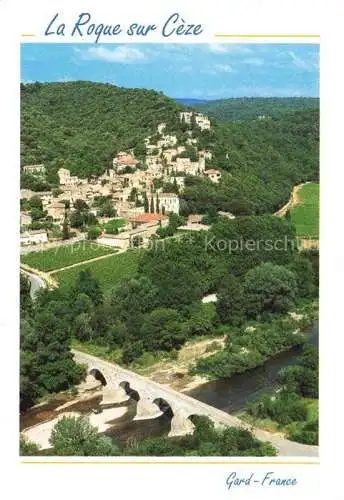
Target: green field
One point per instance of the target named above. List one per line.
(107, 271)
(66, 255)
(305, 216)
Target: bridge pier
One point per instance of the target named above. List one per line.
(181, 425)
(146, 409)
(113, 395)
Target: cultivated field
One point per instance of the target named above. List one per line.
(107, 271)
(63, 256)
(305, 215)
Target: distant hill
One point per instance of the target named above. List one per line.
(192, 102)
(82, 125)
(250, 108)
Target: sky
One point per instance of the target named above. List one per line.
(198, 71)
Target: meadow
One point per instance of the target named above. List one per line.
(64, 256)
(305, 215)
(107, 271)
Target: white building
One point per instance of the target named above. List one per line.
(168, 202)
(201, 121)
(34, 237)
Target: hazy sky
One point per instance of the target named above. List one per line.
(201, 71)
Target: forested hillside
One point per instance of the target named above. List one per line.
(81, 125)
(260, 161)
(250, 108)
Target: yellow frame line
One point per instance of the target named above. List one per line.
(27, 34)
(260, 35)
(113, 462)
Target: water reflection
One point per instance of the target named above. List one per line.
(230, 395)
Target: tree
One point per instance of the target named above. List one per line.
(75, 436)
(25, 298)
(145, 203)
(137, 241)
(86, 284)
(162, 330)
(82, 328)
(230, 305)
(304, 273)
(107, 209)
(93, 232)
(129, 301)
(269, 288)
(47, 364)
(202, 319)
(65, 228)
(80, 205)
(157, 204)
(27, 448)
(152, 205)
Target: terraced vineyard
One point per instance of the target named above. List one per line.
(305, 215)
(63, 256)
(107, 271)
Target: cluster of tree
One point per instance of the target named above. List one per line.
(161, 308)
(73, 436)
(289, 405)
(33, 182)
(34, 207)
(82, 125)
(46, 363)
(251, 108)
(174, 221)
(250, 346)
(81, 217)
(260, 161)
(104, 206)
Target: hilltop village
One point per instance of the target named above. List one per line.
(140, 196)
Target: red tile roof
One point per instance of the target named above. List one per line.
(147, 218)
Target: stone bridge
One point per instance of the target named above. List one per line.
(153, 398)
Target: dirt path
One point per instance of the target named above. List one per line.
(54, 271)
(44, 277)
(293, 200)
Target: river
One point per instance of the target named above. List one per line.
(230, 395)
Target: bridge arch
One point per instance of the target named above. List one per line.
(98, 375)
(133, 393)
(164, 406)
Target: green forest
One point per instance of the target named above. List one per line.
(250, 108)
(158, 308)
(82, 125)
(260, 161)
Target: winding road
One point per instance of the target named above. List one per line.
(35, 281)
